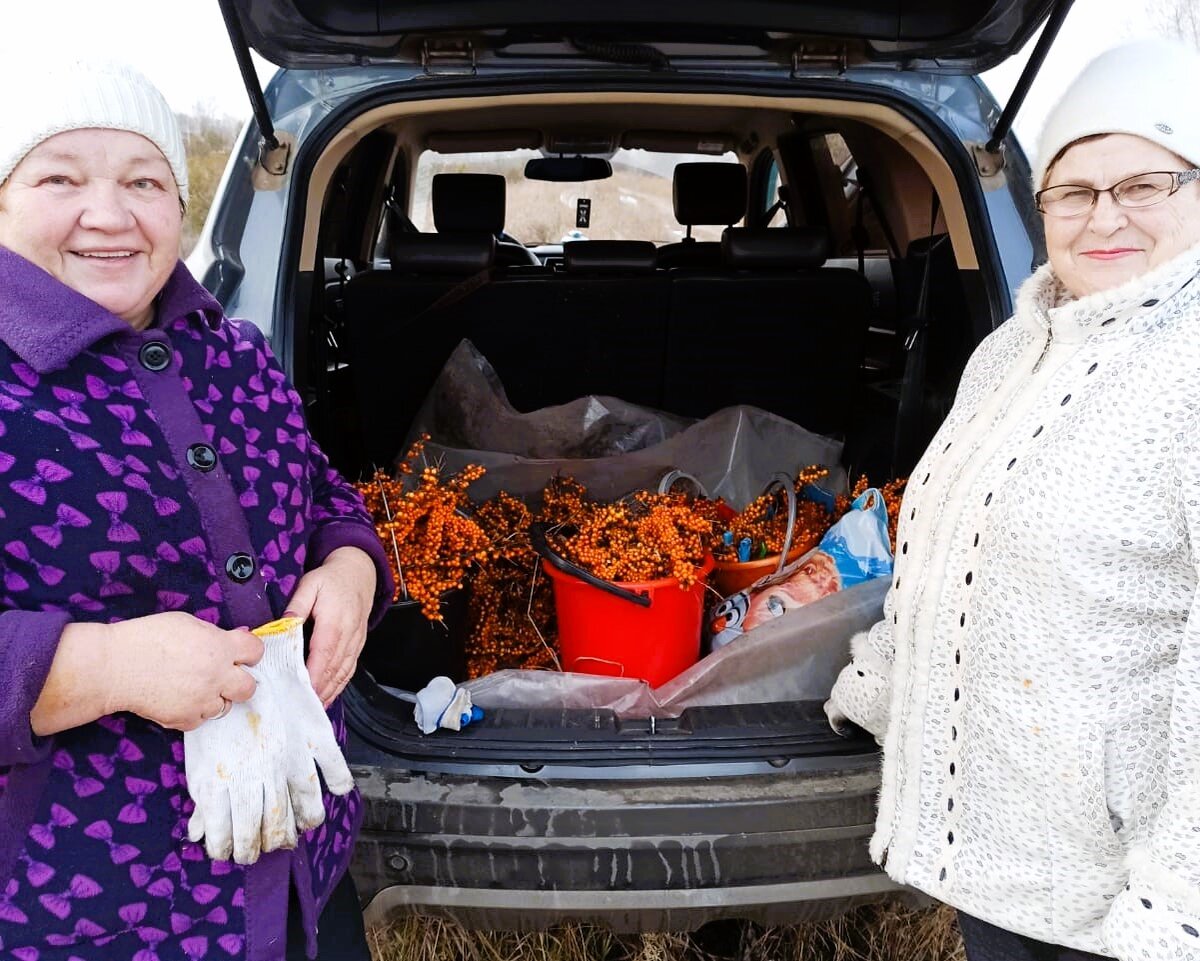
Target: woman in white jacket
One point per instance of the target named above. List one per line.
(1035, 681)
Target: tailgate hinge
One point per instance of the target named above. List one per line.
(818, 57)
(989, 161)
(273, 162)
(454, 57)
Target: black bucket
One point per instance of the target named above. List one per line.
(407, 651)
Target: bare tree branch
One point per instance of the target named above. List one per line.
(207, 139)
(1179, 19)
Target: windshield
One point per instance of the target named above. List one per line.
(634, 204)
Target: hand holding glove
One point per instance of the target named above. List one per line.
(235, 767)
(253, 772)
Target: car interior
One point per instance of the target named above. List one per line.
(802, 259)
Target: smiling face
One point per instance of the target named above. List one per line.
(1112, 244)
(99, 210)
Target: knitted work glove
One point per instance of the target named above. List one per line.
(441, 703)
(310, 739)
(235, 767)
(252, 774)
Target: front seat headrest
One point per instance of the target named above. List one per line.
(468, 202)
(710, 194)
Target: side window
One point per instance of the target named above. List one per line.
(779, 218)
(853, 217)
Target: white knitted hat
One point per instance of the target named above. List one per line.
(1145, 87)
(79, 94)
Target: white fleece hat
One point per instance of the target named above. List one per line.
(77, 94)
(1146, 87)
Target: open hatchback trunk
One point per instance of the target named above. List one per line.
(814, 300)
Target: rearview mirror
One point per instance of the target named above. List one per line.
(567, 169)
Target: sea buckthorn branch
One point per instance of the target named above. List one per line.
(432, 541)
(642, 537)
(511, 609)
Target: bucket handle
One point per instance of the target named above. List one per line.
(667, 482)
(537, 537)
(785, 482)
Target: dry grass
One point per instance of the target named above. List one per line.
(885, 932)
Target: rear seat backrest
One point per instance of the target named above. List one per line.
(776, 330)
(473, 203)
(610, 314)
(611, 323)
(705, 195)
(396, 347)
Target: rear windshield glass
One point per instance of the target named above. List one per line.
(634, 204)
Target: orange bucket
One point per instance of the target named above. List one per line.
(600, 632)
(729, 577)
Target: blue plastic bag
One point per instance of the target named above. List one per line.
(853, 550)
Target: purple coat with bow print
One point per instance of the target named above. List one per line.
(162, 470)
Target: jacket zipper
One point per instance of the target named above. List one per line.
(1045, 349)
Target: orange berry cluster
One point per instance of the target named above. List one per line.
(563, 501)
(764, 521)
(511, 608)
(424, 523)
(436, 539)
(642, 537)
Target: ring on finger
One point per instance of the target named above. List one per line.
(226, 707)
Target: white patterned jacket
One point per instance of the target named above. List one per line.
(1035, 681)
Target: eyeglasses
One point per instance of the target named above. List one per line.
(1140, 190)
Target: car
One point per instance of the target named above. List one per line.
(812, 209)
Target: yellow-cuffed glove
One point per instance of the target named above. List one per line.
(253, 773)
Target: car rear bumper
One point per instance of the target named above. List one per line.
(501, 853)
(635, 911)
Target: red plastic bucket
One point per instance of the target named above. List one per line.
(600, 633)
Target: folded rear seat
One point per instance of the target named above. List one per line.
(776, 329)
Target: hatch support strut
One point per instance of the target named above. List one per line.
(1025, 81)
(273, 155)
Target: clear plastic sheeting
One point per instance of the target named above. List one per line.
(794, 657)
(610, 446)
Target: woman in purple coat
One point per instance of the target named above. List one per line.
(159, 495)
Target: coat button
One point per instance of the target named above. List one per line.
(202, 457)
(240, 567)
(155, 356)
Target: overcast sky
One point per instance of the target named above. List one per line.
(187, 52)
